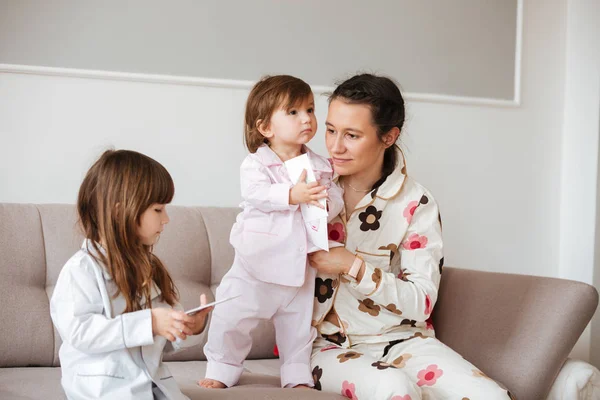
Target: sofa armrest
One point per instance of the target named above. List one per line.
(518, 329)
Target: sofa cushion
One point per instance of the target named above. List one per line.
(26, 326)
(36, 383)
(62, 238)
(184, 249)
(251, 385)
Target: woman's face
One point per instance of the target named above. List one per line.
(351, 139)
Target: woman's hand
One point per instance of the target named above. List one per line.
(337, 261)
(197, 326)
(170, 324)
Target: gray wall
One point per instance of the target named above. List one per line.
(458, 47)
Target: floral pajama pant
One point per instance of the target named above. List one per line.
(407, 369)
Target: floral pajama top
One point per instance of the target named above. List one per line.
(396, 230)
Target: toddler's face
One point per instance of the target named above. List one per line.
(297, 125)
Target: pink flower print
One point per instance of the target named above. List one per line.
(427, 305)
(415, 242)
(429, 324)
(348, 390)
(275, 351)
(407, 397)
(429, 375)
(336, 232)
(409, 211)
(328, 348)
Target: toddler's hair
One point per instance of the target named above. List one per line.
(269, 94)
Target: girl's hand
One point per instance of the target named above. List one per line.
(197, 326)
(337, 261)
(310, 193)
(170, 324)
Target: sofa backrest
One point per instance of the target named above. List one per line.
(37, 240)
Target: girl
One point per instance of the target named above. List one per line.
(115, 305)
(269, 237)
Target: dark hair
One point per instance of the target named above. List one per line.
(268, 94)
(383, 97)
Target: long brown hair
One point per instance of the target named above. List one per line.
(114, 194)
(267, 95)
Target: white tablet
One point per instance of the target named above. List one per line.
(195, 310)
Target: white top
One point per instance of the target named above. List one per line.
(108, 354)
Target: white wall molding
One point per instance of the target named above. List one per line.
(234, 84)
(518, 55)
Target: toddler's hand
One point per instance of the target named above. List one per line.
(310, 193)
(170, 324)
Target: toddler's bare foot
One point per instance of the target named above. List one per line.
(211, 384)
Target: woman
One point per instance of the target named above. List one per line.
(374, 296)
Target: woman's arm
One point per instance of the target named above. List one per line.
(413, 291)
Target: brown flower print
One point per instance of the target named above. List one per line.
(368, 306)
(400, 362)
(324, 289)
(370, 219)
(348, 356)
(479, 374)
(376, 277)
(393, 248)
(410, 322)
(392, 308)
(419, 335)
(336, 338)
(317, 373)
(382, 365)
(392, 344)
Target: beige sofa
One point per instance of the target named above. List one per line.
(517, 329)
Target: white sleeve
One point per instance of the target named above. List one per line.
(77, 311)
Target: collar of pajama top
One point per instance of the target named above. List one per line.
(269, 158)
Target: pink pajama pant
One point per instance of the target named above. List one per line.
(290, 309)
